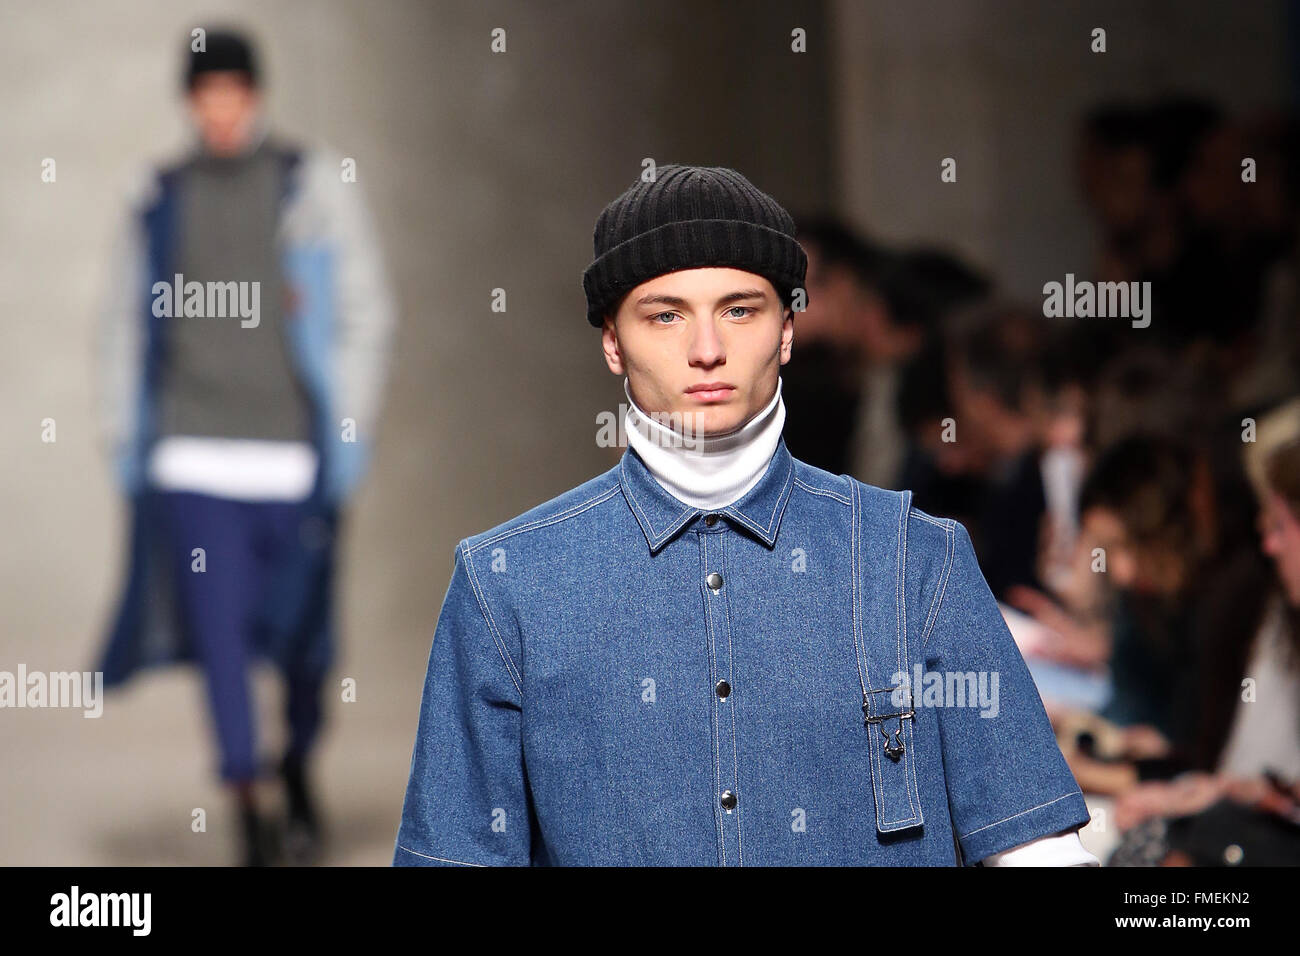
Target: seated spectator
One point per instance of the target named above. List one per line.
(995, 362)
(922, 288)
(1246, 780)
(821, 384)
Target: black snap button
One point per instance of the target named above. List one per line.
(723, 689)
(710, 520)
(728, 800)
(714, 580)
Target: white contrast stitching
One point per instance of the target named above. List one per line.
(440, 859)
(900, 642)
(943, 592)
(779, 504)
(543, 522)
(657, 537)
(933, 616)
(1022, 813)
(511, 669)
(824, 492)
(938, 522)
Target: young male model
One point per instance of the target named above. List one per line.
(707, 655)
(230, 432)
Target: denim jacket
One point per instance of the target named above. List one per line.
(815, 674)
(340, 341)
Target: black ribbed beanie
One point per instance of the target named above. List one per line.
(688, 218)
(223, 50)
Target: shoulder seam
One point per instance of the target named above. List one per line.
(543, 522)
(937, 522)
(824, 492)
(941, 592)
(513, 671)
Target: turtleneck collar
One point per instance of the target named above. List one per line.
(707, 472)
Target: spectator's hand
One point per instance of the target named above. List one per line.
(1249, 790)
(1259, 793)
(1186, 794)
(1067, 641)
(1143, 802)
(1141, 741)
(1193, 792)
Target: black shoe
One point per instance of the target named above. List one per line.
(302, 829)
(259, 840)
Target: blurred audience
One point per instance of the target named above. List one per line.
(823, 390)
(1110, 475)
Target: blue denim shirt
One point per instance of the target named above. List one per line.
(618, 678)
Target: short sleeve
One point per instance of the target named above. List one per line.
(466, 800)
(1007, 781)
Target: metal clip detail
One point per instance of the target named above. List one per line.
(894, 748)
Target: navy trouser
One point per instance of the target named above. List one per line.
(241, 541)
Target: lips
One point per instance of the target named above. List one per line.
(711, 391)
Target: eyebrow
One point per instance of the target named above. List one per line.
(738, 295)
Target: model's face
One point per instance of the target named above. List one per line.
(1118, 181)
(844, 313)
(224, 105)
(702, 346)
(828, 316)
(1131, 566)
(1280, 531)
(991, 428)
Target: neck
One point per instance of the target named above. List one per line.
(707, 472)
(257, 137)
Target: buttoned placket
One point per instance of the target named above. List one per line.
(714, 537)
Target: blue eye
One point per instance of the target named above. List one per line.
(660, 315)
(743, 308)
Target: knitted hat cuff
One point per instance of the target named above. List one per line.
(693, 244)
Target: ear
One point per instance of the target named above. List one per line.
(787, 336)
(609, 346)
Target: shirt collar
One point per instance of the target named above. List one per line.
(662, 516)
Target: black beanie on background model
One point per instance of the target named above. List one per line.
(223, 50)
(690, 217)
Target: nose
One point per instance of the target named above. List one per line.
(1270, 544)
(706, 348)
(1123, 571)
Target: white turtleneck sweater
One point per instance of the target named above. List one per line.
(711, 472)
(706, 471)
